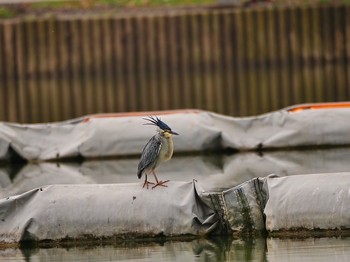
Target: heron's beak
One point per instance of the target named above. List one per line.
(174, 133)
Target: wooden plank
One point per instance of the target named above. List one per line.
(96, 52)
(109, 56)
(3, 88)
(163, 65)
(317, 47)
(10, 51)
(226, 43)
(284, 84)
(306, 54)
(34, 73)
(42, 73)
(239, 64)
(31, 82)
(263, 88)
(173, 72)
(196, 60)
(192, 61)
(347, 49)
(298, 90)
(132, 98)
(339, 52)
(120, 89)
(328, 48)
(216, 69)
(53, 68)
(185, 73)
(250, 56)
(271, 39)
(64, 85)
(75, 60)
(87, 61)
(205, 47)
(163, 62)
(108, 64)
(21, 74)
(177, 92)
(136, 69)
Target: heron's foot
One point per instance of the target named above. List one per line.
(147, 183)
(161, 183)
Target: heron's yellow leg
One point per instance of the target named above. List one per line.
(159, 183)
(146, 182)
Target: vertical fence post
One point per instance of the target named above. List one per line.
(11, 101)
(226, 71)
(340, 52)
(239, 49)
(347, 45)
(316, 55)
(3, 87)
(271, 46)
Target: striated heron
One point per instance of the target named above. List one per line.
(158, 149)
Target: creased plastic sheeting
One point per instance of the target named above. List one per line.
(100, 211)
(100, 136)
(96, 136)
(282, 129)
(60, 212)
(242, 207)
(318, 201)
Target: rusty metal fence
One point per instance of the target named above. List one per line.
(231, 61)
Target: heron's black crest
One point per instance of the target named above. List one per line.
(155, 121)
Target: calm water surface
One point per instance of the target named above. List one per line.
(213, 172)
(220, 249)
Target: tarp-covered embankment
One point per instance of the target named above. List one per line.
(59, 212)
(120, 135)
(275, 204)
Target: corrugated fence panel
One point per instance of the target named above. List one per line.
(347, 46)
(232, 61)
(3, 90)
(9, 71)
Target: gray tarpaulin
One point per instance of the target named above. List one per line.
(318, 201)
(107, 135)
(78, 211)
(59, 212)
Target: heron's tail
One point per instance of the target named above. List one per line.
(139, 173)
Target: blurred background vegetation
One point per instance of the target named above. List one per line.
(9, 9)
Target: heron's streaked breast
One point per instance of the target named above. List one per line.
(167, 149)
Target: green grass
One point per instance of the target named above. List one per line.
(152, 2)
(8, 12)
(5, 12)
(120, 3)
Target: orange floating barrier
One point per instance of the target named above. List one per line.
(316, 106)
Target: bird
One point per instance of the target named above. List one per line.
(157, 150)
